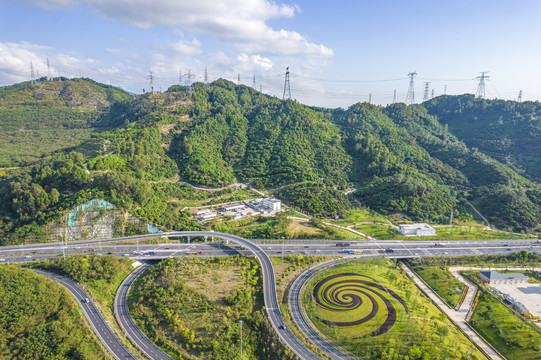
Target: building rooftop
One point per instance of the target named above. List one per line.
(415, 226)
(494, 275)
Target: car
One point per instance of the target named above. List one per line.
(109, 253)
(151, 253)
(282, 327)
(28, 256)
(126, 255)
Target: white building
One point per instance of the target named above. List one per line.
(494, 278)
(233, 207)
(272, 204)
(206, 215)
(421, 229)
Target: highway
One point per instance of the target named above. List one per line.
(302, 321)
(101, 328)
(370, 249)
(126, 321)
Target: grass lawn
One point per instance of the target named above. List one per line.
(442, 282)
(355, 216)
(386, 232)
(421, 331)
(507, 333)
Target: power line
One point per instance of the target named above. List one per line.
(287, 86)
(481, 87)
(410, 97)
(425, 96)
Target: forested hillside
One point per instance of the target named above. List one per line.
(401, 159)
(508, 131)
(40, 320)
(39, 118)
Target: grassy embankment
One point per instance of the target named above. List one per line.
(191, 308)
(40, 319)
(100, 276)
(421, 332)
(505, 331)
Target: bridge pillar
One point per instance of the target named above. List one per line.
(188, 239)
(205, 239)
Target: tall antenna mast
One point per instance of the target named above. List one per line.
(519, 96)
(253, 83)
(32, 76)
(287, 87)
(480, 94)
(394, 97)
(445, 90)
(425, 96)
(49, 76)
(410, 97)
(370, 98)
(151, 82)
(180, 77)
(206, 77)
(238, 79)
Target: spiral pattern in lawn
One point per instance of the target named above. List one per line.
(346, 291)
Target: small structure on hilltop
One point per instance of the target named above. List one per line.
(494, 278)
(421, 229)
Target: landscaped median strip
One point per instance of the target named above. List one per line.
(455, 317)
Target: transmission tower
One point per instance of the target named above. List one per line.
(410, 97)
(151, 79)
(287, 87)
(432, 95)
(253, 83)
(180, 77)
(425, 96)
(480, 94)
(445, 90)
(394, 97)
(238, 79)
(189, 81)
(32, 75)
(49, 76)
(519, 96)
(260, 88)
(206, 78)
(370, 98)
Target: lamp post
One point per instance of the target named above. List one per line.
(283, 244)
(241, 322)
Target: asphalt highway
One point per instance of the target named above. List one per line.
(369, 249)
(101, 328)
(126, 321)
(302, 321)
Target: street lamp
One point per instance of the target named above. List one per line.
(241, 322)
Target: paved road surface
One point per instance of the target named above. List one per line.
(126, 322)
(104, 332)
(302, 321)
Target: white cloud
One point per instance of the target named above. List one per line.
(242, 23)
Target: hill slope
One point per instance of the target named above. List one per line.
(36, 119)
(401, 159)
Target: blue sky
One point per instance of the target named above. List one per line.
(339, 52)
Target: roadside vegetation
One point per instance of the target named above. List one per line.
(41, 320)
(191, 308)
(442, 282)
(505, 331)
(421, 332)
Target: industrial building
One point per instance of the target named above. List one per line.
(421, 229)
(272, 205)
(494, 278)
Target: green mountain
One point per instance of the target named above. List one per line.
(401, 159)
(508, 131)
(36, 119)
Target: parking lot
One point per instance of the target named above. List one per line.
(528, 294)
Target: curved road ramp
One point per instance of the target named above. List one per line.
(101, 328)
(269, 295)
